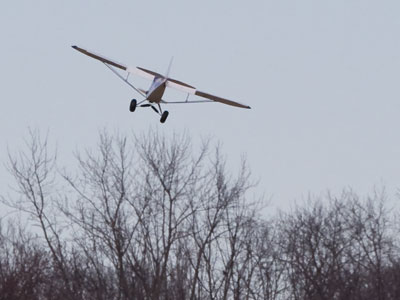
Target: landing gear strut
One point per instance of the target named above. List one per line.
(132, 106)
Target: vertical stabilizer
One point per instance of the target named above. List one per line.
(169, 67)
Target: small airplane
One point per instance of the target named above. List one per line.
(159, 83)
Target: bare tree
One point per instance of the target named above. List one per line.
(152, 217)
(34, 172)
(338, 250)
(372, 241)
(23, 264)
(146, 212)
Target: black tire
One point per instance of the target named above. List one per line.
(164, 116)
(132, 106)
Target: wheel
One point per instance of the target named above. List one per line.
(164, 116)
(132, 106)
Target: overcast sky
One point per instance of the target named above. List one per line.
(322, 78)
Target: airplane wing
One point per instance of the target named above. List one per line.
(184, 87)
(171, 83)
(221, 100)
(101, 58)
(133, 70)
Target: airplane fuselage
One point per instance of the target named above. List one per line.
(156, 90)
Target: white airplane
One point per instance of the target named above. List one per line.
(159, 83)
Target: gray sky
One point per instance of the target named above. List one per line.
(321, 77)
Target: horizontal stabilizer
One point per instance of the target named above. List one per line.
(143, 91)
(151, 73)
(180, 86)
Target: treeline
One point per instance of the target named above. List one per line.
(156, 218)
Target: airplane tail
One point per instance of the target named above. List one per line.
(169, 67)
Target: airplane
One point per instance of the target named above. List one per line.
(157, 88)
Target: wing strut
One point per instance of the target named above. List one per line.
(125, 80)
(187, 102)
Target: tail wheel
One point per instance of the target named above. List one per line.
(132, 106)
(164, 116)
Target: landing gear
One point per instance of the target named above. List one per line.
(164, 116)
(132, 106)
(159, 111)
